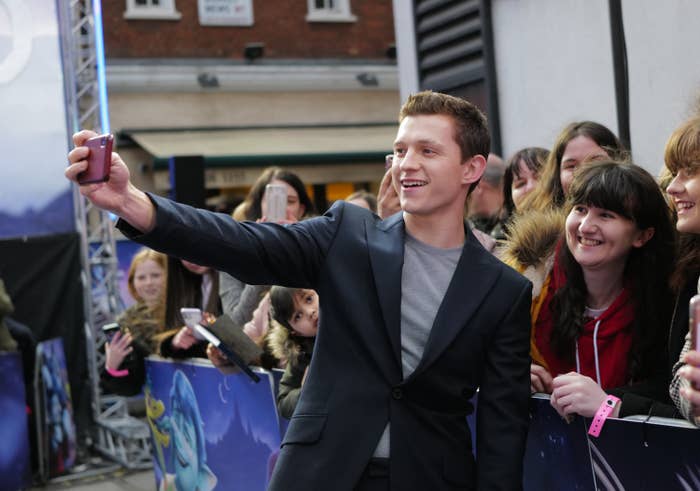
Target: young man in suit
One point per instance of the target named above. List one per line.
(416, 315)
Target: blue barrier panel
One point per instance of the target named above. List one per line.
(210, 430)
(57, 428)
(15, 472)
(556, 456)
(630, 453)
(634, 454)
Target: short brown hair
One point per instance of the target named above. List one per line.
(683, 147)
(471, 128)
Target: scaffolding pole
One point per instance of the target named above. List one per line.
(116, 434)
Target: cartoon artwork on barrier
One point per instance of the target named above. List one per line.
(210, 431)
(15, 472)
(58, 429)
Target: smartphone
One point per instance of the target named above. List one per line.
(109, 330)
(695, 335)
(99, 159)
(192, 318)
(275, 202)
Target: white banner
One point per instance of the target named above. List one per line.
(35, 197)
(225, 12)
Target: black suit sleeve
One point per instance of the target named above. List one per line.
(255, 253)
(502, 412)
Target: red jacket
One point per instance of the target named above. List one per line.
(613, 339)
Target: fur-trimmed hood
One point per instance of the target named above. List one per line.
(144, 323)
(531, 243)
(286, 347)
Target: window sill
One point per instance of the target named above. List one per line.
(152, 15)
(330, 17)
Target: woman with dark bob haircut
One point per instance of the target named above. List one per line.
(239, 300)
(253, 203)
(521, 176)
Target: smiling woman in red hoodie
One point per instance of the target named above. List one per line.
(600, 297)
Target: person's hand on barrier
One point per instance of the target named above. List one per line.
(117, 194)
(574, 393)
(387, 198)
(184, 339)
(219, 360)
(117, 350)
(691, 372)
(208, 318)
(540, 379)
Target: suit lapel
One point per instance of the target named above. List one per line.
(385, 242)
(471, 282)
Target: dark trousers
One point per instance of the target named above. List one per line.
(375, 477)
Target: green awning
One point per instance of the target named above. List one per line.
(270, 146)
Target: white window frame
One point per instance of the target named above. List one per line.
(165, 11)
(339, 13)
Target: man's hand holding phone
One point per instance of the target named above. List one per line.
(117, 194)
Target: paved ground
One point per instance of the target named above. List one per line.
(119, 480)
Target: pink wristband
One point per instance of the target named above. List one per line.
(602, 414)
(117, 373)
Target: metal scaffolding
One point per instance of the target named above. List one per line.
(116, 434)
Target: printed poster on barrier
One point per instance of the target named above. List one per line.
(58, 429)
(209, 430)
(15, 469)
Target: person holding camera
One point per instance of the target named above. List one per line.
(136, 330)
(416, 314)
(239, 300)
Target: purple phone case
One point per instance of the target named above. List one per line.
(99, 160)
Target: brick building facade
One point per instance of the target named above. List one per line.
(321, 66)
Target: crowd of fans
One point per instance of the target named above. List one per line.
(594, 233)
(612, 252)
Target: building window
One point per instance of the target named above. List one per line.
(151, 9)
(330, 11)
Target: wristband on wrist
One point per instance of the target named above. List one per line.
(117, 373)
(605, 409)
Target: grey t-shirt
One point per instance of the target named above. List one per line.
(427, 272)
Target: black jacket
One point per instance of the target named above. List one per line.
(479, 339)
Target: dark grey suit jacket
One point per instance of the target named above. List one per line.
(480, 339)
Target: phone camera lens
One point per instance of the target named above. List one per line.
(104, 141)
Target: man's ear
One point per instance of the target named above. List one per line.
(473, 169)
